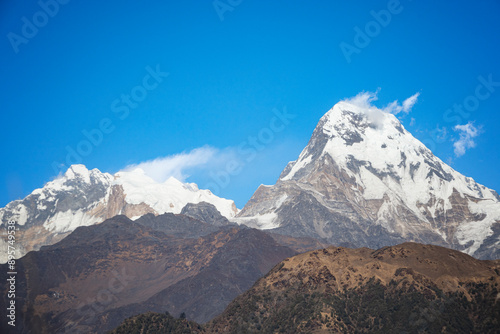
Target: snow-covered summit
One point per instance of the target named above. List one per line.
(169, 196)
(375, 149)
(75, 176)
(78, 171)
(362, 164)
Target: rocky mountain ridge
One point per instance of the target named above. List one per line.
(83, 197)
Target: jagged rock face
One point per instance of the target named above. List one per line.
(205, 212)
(81, 197)
(363, 180)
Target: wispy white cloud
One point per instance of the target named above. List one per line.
(395, 108)
(467, 133)
(179, 165)
(410, 102)
(364, 100)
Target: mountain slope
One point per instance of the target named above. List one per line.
(205, 212)
(101, 274)
(408, 288)
(81, 197)
(363, 180)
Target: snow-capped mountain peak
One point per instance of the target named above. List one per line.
(174, 182)
(169, 196)
(362, 164)
(78, 171)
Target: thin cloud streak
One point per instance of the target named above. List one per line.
(467, 133)
(365, 99)
(178, 165)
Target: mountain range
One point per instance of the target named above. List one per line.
(373, 230)
(362, 181)
(83, 197)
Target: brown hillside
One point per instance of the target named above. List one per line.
(410, 288)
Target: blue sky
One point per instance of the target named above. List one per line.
(233, 66)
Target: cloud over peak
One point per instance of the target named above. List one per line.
(364, 100)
